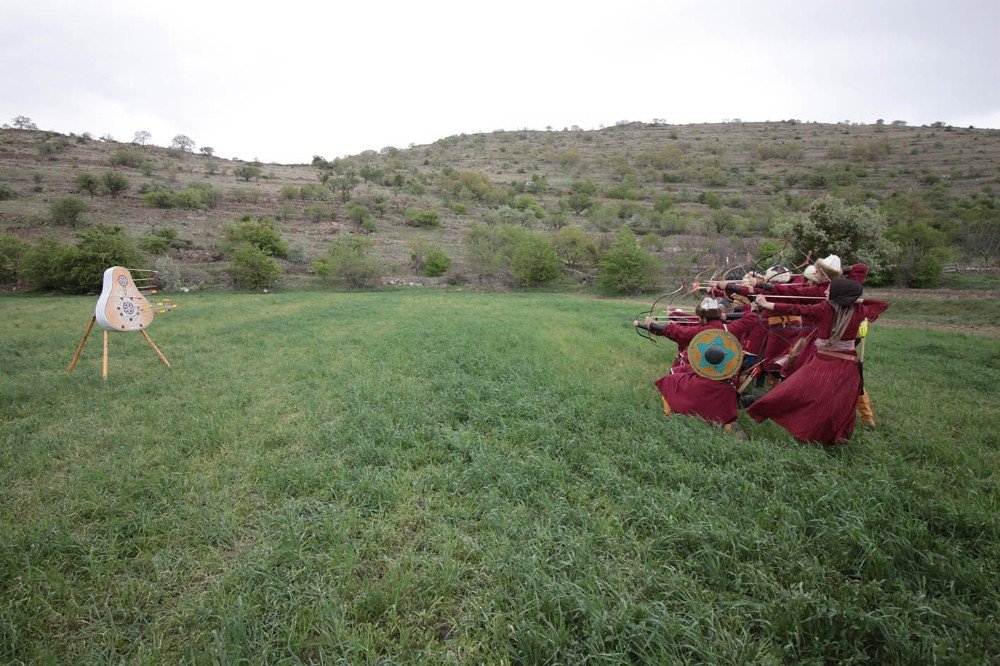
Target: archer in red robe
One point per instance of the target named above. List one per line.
(818, 402)
(683, 390)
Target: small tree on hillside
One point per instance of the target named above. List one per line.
(252, 268)
(854, 233)
(87, 182)
(24, 123)
(627, 268)
(247, 171)
(347, 263)
(142, 137)
(208, 151)
(67, 210)
(183, 143)
(114, 184)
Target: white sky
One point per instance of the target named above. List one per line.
(283, 81)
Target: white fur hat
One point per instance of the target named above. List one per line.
(777, 274)
(830, 266)
(709, 303)
(809, 273)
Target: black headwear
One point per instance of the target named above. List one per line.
(844, 292)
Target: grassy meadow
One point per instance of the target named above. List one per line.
(430, 477)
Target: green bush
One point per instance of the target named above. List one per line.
(53, 265)
(663, 203)
(252, 268)
(626, 267)
(261, 233)
(13, 252)
(359, 213)
(319, 212)
(622, 192)
(290, 192)
(923, 253)
(436, 263)
(247, 171)
(87, 182)
(195, 196)
(854, 233)
(348, 263)
(575, 246)
(535, 261)
(67, 210)
(6, 191)
(511, 253)
(114, 183)
(416, 217)
(160, 242)
(126, 158)
(460, 209)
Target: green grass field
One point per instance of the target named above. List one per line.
(466, 478)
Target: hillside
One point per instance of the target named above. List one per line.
(692, 192)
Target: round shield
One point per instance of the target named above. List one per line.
(715, 354)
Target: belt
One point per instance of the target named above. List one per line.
(794, 319)
(846, 357)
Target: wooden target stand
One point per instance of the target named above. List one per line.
(122, 307)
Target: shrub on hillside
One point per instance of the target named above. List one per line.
(6, 191)
(252, 268)
(319, 212)
(78, 269)
(348, 263)
(854, 233)
(261, 233)
(87, 182)
(13, 252)
(627, 268)
(575, 246)
(67, 210)
(126, 158)
(114, 183)
(359, 213)
(535, 261)
(419, 217)
(196, 196)
(512, 254)
(160, 242)
(923, 253)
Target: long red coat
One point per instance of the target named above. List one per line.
(781, 336)
(818, 403)
(689, 393)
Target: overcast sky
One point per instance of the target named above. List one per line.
(283, 81)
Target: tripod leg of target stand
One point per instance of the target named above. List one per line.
(150, 341)
(79, 349)
(104, 365)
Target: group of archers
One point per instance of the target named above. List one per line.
(797, 337)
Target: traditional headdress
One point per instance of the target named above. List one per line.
(809, 274)
(709, 308)
(830, 266)
(777, 274)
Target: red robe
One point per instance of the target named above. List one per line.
(782, 333)
(689, 393)
(818, 403)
